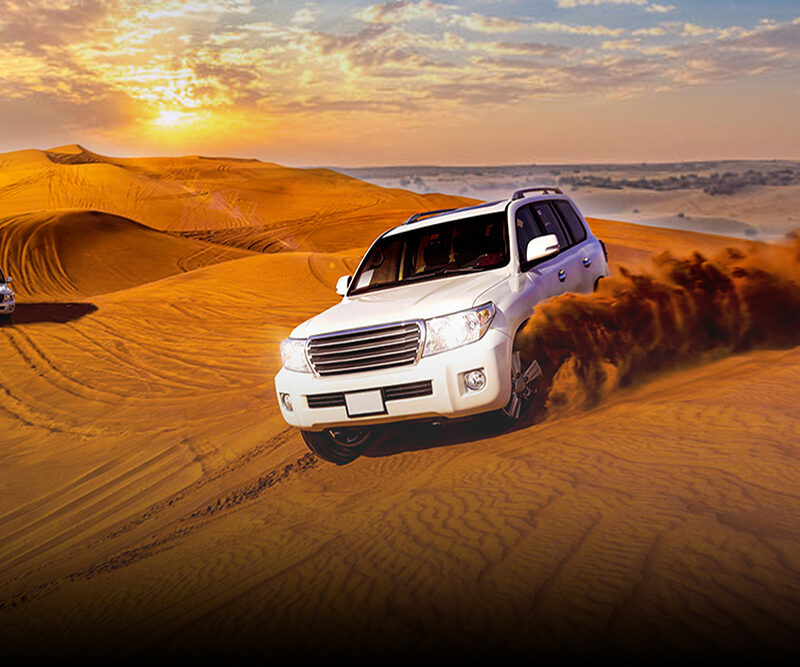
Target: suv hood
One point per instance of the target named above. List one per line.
(417, 301)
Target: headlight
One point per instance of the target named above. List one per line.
(293, 355)
(7, 296)
(451, 331)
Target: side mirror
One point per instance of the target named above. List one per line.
(541, 246)
(9, 279)
(342, 284)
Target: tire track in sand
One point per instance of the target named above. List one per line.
(185, 525)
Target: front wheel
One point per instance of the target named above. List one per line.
(523, 388)
(339, 445)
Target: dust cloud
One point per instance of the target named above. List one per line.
(675, 313)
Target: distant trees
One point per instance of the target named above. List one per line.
(727, 183)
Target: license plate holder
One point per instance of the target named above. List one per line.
(365, 403)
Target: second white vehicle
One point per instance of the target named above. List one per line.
(428, 323)
(7, 302)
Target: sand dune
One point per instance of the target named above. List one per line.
(190, 193)
(58, 254)
(153, 500)
(766, 212)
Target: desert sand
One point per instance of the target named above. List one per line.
(153, 501)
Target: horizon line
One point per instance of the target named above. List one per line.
(599, 163)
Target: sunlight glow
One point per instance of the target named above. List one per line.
(172, 118)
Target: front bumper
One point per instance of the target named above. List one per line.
(449, 397)
(7, 307)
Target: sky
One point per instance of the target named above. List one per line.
(352, 83)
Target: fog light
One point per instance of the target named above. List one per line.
(286, 400)
(475, 380)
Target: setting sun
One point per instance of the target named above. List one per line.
(171, 118)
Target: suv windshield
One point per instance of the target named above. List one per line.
(2, 277)
(462, 246)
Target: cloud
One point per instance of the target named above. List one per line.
(304, 16)
(693, 30)
(161, 9)
(322, 104)
(331, 42)
(659, 9)
(590, 30)
(402, 11)
(491, 24)
(488, 24)
(653, 7)
(571, 4)
(40, 23)
(622, 45)
(779, 38)
(650, 32)
(537, 49)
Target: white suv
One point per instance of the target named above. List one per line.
(427, 324)
(7, 303)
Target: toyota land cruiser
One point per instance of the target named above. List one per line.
(427, 324)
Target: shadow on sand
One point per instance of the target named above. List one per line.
(418, 435)
(31, 313)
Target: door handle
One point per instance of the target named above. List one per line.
(587, 262)
(562, 275)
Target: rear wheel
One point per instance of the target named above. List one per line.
(339, 445)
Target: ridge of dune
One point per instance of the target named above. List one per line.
(192, 192)
(68, 148)
(73, 154)
(78, 253)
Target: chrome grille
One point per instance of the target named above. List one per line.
(365, 349)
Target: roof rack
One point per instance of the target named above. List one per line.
(545, 189)
(519, 194)
(425, 214)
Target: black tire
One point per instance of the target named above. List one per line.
(339, 446)
(5, 318)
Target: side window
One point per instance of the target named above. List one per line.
(573, 222)
(527, 229)
(550, 224)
